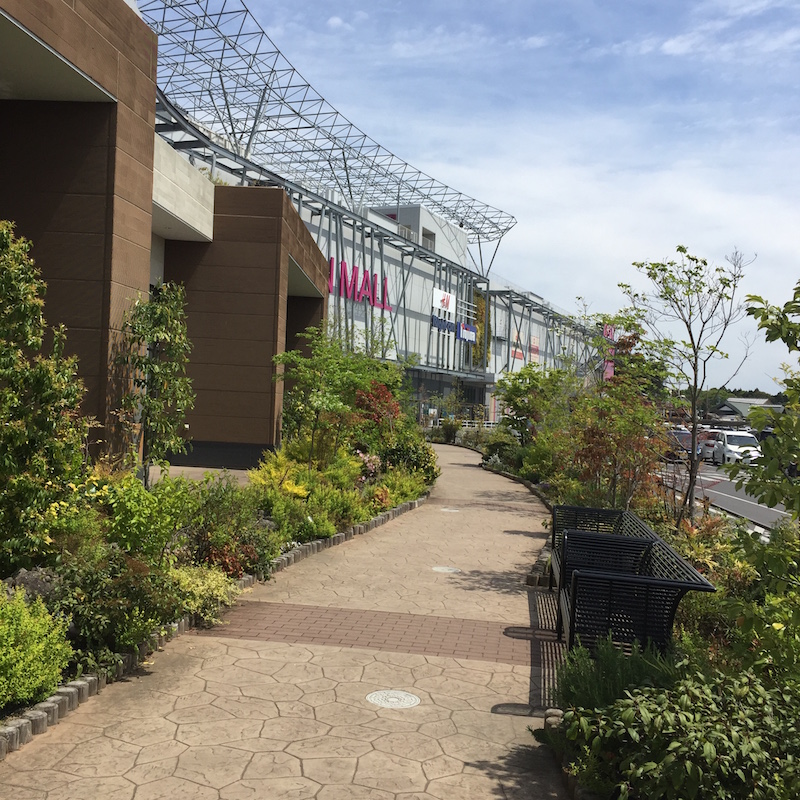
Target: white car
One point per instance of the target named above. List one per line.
(731, 446)
(708, 441)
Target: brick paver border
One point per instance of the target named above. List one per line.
(380, 630)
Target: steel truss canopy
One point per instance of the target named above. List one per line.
(219, 68)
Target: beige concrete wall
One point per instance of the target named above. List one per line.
(183, 197)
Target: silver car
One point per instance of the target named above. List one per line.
(732, 446)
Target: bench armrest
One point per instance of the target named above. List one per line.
(628, 607)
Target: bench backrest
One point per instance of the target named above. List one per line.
(657, 561)
(580, 518)
(599, 551)
(596, 520)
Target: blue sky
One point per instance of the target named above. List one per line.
(612, 131)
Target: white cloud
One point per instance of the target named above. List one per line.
(337, 23)
(640, 47)
(440, 44)
(712, 42)
(535, 42)
(740, 9)
(584, 216)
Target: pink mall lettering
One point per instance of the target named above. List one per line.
(354, 289)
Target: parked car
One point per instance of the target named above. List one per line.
(731, 446)
(708, 440)
(680, 445)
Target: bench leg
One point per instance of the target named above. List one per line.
(559, 619)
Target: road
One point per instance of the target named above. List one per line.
(714, 484)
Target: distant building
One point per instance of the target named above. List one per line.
(737, 409)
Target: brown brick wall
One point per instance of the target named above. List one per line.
(79, 180)
(58, 196)
(237, 301)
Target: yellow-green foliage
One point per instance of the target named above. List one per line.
(402, 485)
(280, 473)
(33, 650)
(205, 590)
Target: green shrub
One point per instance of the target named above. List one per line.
(450, 427)
(403, 485)
(225, 527)
(78, 529)
(379, 499)
(408, 449)
(475, 437)
(435, 435)
(502, 444)
(537, 460)
(41, 429)
(115, 602)
(767, 612)
(333, 509)
(149, 523)
(344, 471)
(596, 680)
(291, 519)
(204, 590)
(280, 472)
(724, 737)
(33, 650)
(257, 545)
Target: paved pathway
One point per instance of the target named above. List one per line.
(274, 704)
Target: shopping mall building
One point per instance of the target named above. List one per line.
(168, 142)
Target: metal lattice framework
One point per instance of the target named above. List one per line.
(218, 66)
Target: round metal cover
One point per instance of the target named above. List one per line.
(448, 570)
(393, 698)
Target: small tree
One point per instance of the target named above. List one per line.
(326, 382)
(768, 479)
(536, 400)
(522, 400)
(155, 353)
(42, 433)
(612, 423)
(687, 312)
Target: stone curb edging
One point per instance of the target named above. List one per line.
(540, 574)
(531, 487)
(309, 548)
(18, 731)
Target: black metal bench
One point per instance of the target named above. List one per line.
(621, 580)
(597, 520)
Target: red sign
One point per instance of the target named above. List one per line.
(359, 290)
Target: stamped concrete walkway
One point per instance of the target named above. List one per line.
(274, 704)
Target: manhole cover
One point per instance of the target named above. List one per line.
(392, 698)
(449, 570)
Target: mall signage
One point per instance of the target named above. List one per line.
(608, 366)
(467, 333)
(358, 287)
(441, 324)
(444, 302)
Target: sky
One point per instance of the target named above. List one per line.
(613, 131)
